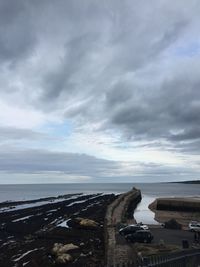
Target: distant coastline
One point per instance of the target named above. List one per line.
(187, 182)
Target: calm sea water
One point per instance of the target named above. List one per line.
(34, 191)
(142, 213)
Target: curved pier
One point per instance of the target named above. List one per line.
(118, 254)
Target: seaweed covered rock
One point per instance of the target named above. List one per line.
(172, 224)
(64, 258)
(83, 223)
(61, 252)
(59, 248)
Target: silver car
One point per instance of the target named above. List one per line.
(194, 226)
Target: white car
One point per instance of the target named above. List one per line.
(194, 226)
(143, 226)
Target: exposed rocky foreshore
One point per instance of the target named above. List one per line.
(52, 231)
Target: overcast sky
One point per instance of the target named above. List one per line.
(99, 91)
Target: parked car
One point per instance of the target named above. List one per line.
(141, 236)
(129, 229)
(194, 226)
(143, 226)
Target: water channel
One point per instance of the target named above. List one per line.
(143, 213)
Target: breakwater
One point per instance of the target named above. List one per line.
(119, 211)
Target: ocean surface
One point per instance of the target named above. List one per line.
(150, 191)
(35, 191)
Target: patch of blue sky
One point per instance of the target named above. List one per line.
(186, 50)
(53, 136)
(63, 129)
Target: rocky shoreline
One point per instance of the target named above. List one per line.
(29, 231)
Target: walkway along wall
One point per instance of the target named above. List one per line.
(117, 212)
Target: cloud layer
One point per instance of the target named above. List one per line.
(122, 74)
(80, 167)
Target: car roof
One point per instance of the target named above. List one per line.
(133, 225)
(143, 231)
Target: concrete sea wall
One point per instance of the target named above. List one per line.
(178, 204)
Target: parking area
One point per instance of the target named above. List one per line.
(172, 237)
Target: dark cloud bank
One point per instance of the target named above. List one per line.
(35, 162)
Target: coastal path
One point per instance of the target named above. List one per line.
(118, 252)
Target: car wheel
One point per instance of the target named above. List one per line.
(145, 241)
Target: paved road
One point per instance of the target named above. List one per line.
(173, 237)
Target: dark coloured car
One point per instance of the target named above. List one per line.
(130, 229)
(141, 236)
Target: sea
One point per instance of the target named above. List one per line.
(150, 191)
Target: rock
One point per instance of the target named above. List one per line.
(64, 258)
(68, 247)
(61, 254)
(83, 223)
(56, 248)
(88, 223)
(83, 255)
(59, 248)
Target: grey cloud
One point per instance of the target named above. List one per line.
(105, 36)
(10, 133)
(190, 134)
(170, 112)
(190, 147)
(62, 80)
(46, 162)
(17, 39)
(34, 161)
(120, 93)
